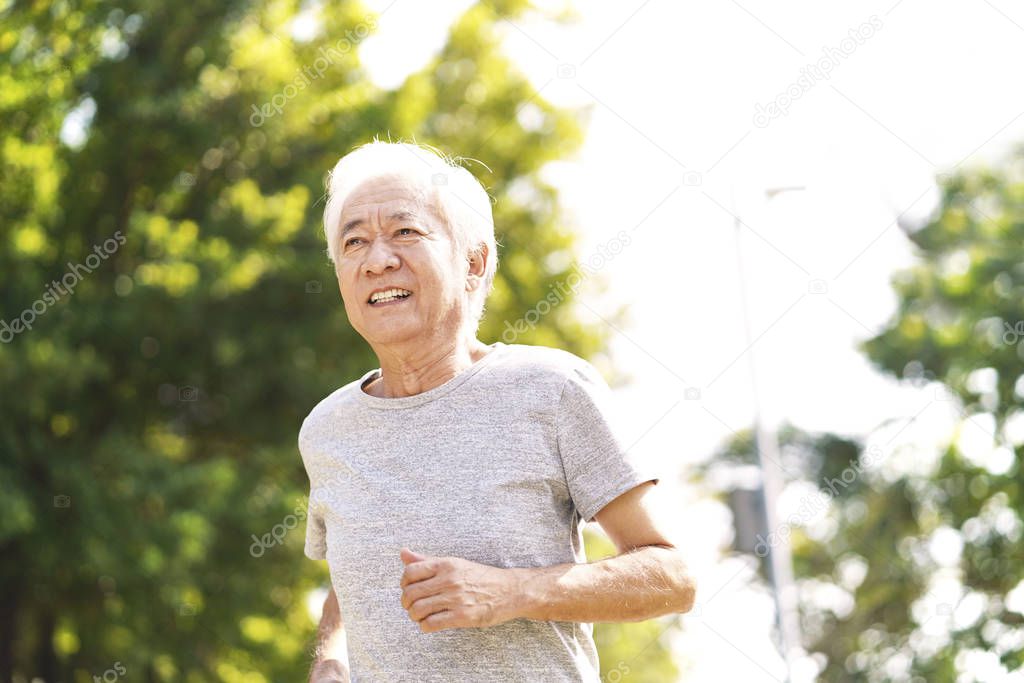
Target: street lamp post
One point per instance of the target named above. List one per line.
(767, 447)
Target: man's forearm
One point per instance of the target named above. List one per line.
(330, 658)
(644, 583)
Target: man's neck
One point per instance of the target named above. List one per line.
(425, 368)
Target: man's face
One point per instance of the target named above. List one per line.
(391, 236)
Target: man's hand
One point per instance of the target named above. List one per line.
(647, 579)
(450, 592)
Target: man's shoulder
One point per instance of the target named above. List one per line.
(545, 363)
(337, 398)
(328, 407)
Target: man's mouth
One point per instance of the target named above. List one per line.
(388, 296)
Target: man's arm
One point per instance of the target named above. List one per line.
(330, 660)
(647, 579)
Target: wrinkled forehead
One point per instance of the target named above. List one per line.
(391, 192)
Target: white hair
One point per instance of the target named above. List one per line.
(460, 199)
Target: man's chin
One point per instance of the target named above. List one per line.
(395, 332)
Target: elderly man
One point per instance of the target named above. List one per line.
(448, 487)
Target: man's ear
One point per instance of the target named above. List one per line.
(477, 260)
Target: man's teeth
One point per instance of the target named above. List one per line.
(389, 295)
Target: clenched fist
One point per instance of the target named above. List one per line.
(450, 592)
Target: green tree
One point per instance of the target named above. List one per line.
(150, 413)
(959, 324)
(960, 321)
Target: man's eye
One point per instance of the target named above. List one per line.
(350, 241)
(406, 230)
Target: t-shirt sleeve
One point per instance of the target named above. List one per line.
(597, 466)
(316, 532)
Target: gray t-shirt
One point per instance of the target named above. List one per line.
(498, 465)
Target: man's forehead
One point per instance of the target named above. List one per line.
(401, 204)
(360, 211)
(388, 196)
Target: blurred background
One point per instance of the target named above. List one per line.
(791, 237)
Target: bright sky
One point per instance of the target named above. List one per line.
(673, 150)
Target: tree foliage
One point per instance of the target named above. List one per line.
(172, 156)
(878, 598)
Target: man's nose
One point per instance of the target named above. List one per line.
(379, 257)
